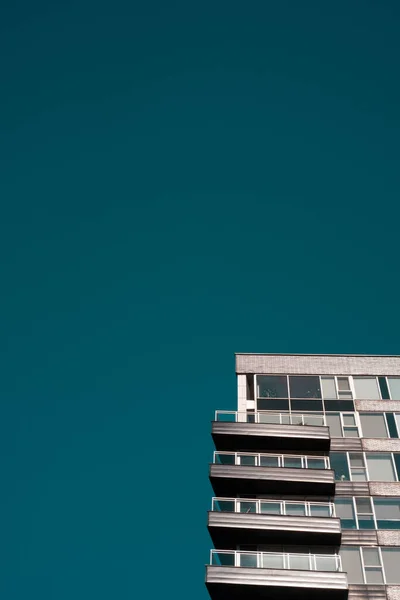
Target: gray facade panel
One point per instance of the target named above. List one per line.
(380, 445)
(356, 537)
(383, 488)
(389, 538)
(346, 444)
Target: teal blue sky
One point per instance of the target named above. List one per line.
(178, 181)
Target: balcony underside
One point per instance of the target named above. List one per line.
(224, 583)
(248, 437)
(227, 529)
(234, 480)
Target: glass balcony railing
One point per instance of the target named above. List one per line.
(274, 507)
(276, 560)
(250, 459)
(229, 416)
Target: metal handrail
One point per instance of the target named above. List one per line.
(271, 418)
(286, 559)
(259, 502)
(240, 459)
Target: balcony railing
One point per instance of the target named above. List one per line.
(250, 459)
(274, 507)
(276, 560)
(229, 416)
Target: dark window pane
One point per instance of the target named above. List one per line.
(307, 405)
(391, 425)
(271, 404)
(341, 405)
(339, 464)
(387, 524)
(304, 387)
(366, 522)
(225, 459)
(272, 386)
(384, 388)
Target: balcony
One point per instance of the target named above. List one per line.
(270, 431)
(254, 575)
(234, 521)
(236, 473)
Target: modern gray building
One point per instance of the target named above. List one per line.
(306, 479)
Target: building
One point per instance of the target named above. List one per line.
(306, 479)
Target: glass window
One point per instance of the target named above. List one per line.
(272, 386)
(357, 467)
(391, 423)
(384, 388)
(304, 387)
(351, 561)
(364, 513)
(343, 384)
(272, 404)
(373, 425)
(334, 424)
(387, 511)
(307, 405)
(366, 388)
(339, 464)
(342, 405)
(380, 467)
(394, 386)
(328, 388)
(345, 512)
(391, 562)
(374, 575)
(371, 557)
(396, 457)
(320, 510)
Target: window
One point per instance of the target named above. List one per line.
(272, 386)
(366, 388)
(345, 511)
(365, 513)
(394, 386)
(391, 562)
(357, 467)
(387, 511)
(342, 424)
(373, 425)
(380, 467)
(372, 565)
(304, 387)
(340, 465)
(351, 563)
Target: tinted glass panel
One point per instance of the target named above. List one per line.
(292, 462)
(374, 575)
(391, 425)
(320, 510)
(333, 422)
(295, 509)
(343, 384)
(384, 388)
(387, 512)
(397, 463)
(366, 522)
(373, 425)
(342, 405)
(351, 561)
(269, 461)
(307, 405)
(366, 388)
(345, 511)
(380, 467)
(272, 386)
(304, 387)
(248, 507)
(328, 388)
(315, 463)
(271, 508)
(271, 404)
(224, 505)
(371, 557)
(391, 562)
(338, 462)
(248, 560)
(394, 386)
